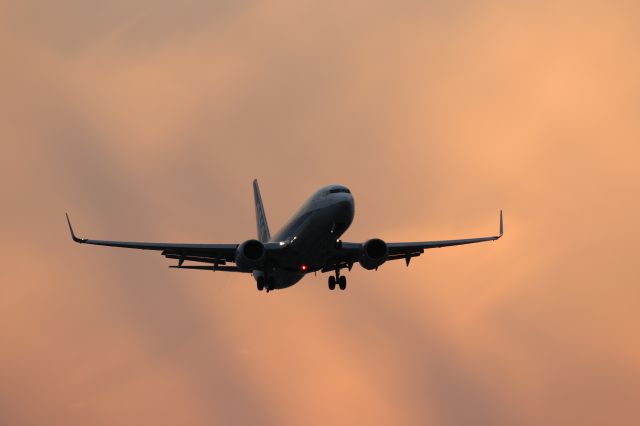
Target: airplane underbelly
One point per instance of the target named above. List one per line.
(312, 241)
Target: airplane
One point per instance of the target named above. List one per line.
(308, 242)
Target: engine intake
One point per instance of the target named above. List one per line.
(250, 255)
(374, 253)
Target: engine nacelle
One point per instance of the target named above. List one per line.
(374, 253)
(250, 255)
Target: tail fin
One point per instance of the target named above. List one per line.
(261, 219)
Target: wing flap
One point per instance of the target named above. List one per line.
(210, 268)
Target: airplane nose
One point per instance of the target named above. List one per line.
(345, 207)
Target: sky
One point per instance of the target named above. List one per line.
(147, 120)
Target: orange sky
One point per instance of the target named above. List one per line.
(147, 120)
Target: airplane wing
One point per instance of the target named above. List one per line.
(215, 254)
(349, 253)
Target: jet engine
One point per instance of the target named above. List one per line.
(374, 253)
(250, 255)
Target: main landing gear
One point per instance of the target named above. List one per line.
(341, 280)
(263, 284)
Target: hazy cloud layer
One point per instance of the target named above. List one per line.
(148, 120)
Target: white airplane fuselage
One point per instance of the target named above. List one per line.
(310, 235)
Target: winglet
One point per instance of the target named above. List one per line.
(73, 235)
(501, 226)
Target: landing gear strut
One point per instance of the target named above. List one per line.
(341, 280)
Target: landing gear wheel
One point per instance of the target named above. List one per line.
(270, 284)
(332, 282)
(342, 282)
(260, 283)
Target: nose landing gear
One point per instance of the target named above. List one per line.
(341, 280)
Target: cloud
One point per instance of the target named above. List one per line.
(148, 121)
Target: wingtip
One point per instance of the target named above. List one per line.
(73, 234)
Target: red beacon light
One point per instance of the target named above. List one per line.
(303, 267)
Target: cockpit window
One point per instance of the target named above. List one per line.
(336, 190)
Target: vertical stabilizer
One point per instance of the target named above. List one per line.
(261, 218)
